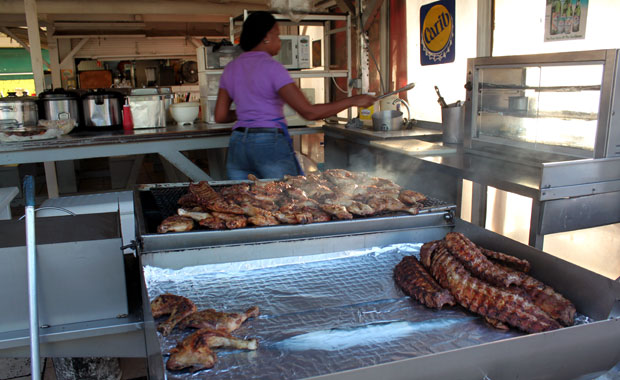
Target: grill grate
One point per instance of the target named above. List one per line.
(166, 199)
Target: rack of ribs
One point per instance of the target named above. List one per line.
(506, 260)
(218, 320)
(470, 256)
(416, 282)
(195, 352)
(545, 297)
(485, 299)
(178, 307)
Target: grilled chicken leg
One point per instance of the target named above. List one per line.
(218, 320)
(178, 307)
(195, 350)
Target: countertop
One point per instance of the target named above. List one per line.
(370, 134)
(173, 131)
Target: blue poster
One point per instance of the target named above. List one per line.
(437, 32)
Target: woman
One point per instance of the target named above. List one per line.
(259, 86)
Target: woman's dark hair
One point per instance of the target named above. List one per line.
(255, 28)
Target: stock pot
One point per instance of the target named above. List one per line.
(21, 109)
(60, 104)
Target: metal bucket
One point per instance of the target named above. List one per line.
(453, 124)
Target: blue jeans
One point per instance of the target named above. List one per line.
(266, 155)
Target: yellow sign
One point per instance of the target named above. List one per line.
(437, 32)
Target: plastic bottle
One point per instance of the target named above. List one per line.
(127, 119)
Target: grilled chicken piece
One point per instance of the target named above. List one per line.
(188, 200)
(195, 350)
(339, 211)
(175, 223)
(211, 200)
(354, 207)
(343, 179)
(411, 197)
(196, 213)
(389, 203)
(232, 221)
(218, 320)
(178, 307)
(213, 222)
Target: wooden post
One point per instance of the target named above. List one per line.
(36, 57)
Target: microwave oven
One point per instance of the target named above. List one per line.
(294, 52)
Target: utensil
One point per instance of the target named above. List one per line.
(402, 89)
(441, 100)
(35, 361)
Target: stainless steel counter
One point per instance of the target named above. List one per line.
(566, 195)
(168, 142)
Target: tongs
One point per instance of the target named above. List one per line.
(402, 89)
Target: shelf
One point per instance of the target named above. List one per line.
(316, 17)
(491, 86)
(541, 114)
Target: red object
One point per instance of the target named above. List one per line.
(127, 119)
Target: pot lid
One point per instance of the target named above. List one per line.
(18, 99)
(59, 94)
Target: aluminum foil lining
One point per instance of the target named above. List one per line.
(320, 314)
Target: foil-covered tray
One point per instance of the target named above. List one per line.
(320, 314)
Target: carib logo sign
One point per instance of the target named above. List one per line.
(437, 32)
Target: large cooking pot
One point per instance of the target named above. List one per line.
(20, 109)
(60, 104)
(390, 120)
(150, 107)
(102, 109)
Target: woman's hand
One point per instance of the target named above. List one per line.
(363, 100)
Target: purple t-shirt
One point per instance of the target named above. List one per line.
(252, 80)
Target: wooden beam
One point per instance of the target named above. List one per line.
(346, 6)
(77, 48)
(125, 7)
(208, 18)
(370, 13)
(61, 26)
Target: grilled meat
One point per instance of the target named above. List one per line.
(175, 223)
(195, 350)
(470, 256)
(178, 307)
(426, 252)
(188, 200)
(389, 203)
(213, 222)
(211, 200)
(506, 260)
(411, 197)
(339, 211)
(232, 221)
(218, 320)
(416, 282)
(545, 297)
(196, 213)
(485, 299)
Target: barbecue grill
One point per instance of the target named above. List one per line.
(334, 278)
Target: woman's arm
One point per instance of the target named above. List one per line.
(293, 96)
(223, 113)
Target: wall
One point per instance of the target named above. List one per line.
(449, 77)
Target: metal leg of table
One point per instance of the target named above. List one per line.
(50, 179)
(185, 166)
(479, 204)
(536, 238)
